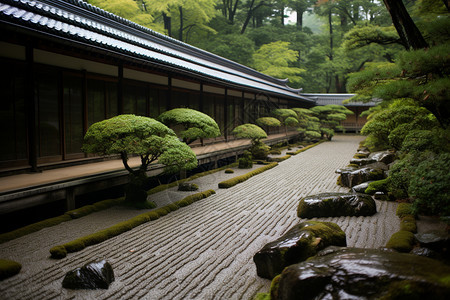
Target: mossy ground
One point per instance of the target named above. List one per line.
(401, 241)
(9, 268)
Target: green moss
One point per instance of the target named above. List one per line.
(377, 186)
(74, 246)
(339, 180)
(275, 151)
(274, 287)
(229, 171)
(280, 159)
(262, 296)
(187, 187)
(81, 212)
(401, 241)
(58, 252)
(4, 237)
(408, 290)
(404, 209)
(173, 207)
(95, 238)
(408, 223)
(153, 216)
(9, 268)
(360, 155)
(352, 166)
(233, 181)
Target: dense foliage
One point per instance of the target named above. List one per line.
(135, 135)
(195, 124)
(414, 116)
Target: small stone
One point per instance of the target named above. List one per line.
(97, 275)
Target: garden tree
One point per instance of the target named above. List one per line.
(135, 135)
(235, 46)
(300, 7)
(286, 117)
(195, 125)
(364, 35)
(250, 8)
(330, 117)
(308, 124)
(259, 150)
(405, 26)
(274, 59)
(229, 9)
(266, 122)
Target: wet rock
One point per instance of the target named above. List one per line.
(360, 188)
(362, 161)
(336, 205)
(386, 157)
(426, 252)
(187, 187)
(381, 196)
(300, 242)
(350, 178)
(97, 275)
(351, 273)
(436, 240)
(378, 165)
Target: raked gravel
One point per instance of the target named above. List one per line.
(204, 250)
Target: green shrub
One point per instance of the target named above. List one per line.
(81, 212)
(404, 209)
(172, 207)
(95, 238)
(259, 150)
(377, 186)
(153, 216)
(429, 187)
(162, 211)
(233, 181)
(229, 171)
(408, 223)
(401, 241)
(246, 161)
(9, 268)
(58, 252)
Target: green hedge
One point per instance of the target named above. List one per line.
(404, 209)
(9, 268)
(401, 241)
(280, 159)
(233, 181)
(79, 244)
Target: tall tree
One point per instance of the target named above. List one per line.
(405, 26)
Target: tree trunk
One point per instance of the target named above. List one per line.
(406, 29)
(300, 19)
(180, 34)
(167, 24)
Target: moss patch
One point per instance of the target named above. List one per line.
(9, 268)
(229, 171)
(61, 251)
(408, 223)
(233, 181)
(401, 241)
(404, 209)
(377, 186)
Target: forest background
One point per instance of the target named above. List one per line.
(316, 44)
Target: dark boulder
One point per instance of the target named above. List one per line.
(425, 252)
(361, 188)
(97, 275)
(187, 187)
(351, 273)
(336, 205)
(385, 156)
(436, 240)
(362, 161)
(350, 178)
(300, 242)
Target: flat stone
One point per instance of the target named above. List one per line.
(360, 188)
(336, 205)
(350, 178)
(386, 157)
(353, 273)
(300, 242)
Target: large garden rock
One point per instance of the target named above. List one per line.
(351, 273)
(336, 205)
(300, 242)
(386, 157)
(362, 161)
(352, 177)
(361, 188)
(436, 240)
(97, 275)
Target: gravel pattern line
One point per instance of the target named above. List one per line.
(204, 250)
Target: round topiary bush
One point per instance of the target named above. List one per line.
(229, 171)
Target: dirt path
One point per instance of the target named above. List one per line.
(202, 251)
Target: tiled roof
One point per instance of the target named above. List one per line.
(83, 23)
(325, 99)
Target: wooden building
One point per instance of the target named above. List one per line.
(66, 65)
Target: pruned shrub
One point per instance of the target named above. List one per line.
(377, 186)
(58, 252)
(229, 171)
(408, 223)
(404, 209)
(9, 268)
(246, 161)
(275, 152)
(259, 150)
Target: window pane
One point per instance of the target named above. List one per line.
(96, 101)
(48, 114)
(73, 114)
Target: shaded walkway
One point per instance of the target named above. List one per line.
(205, 250)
